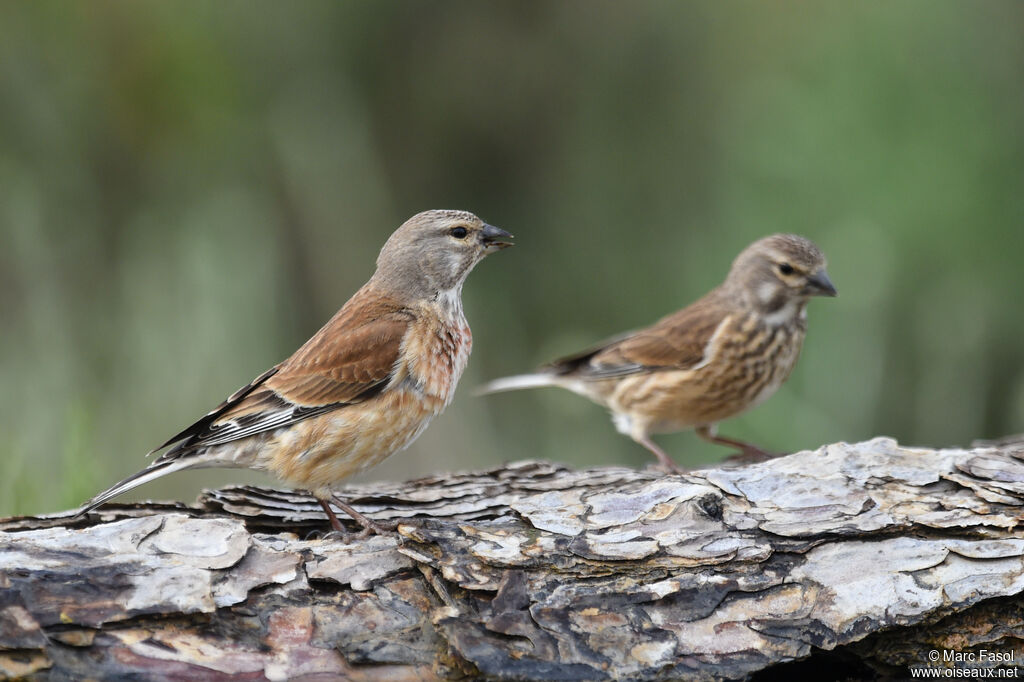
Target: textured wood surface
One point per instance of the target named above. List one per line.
(851, 561)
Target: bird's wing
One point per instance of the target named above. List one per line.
(569, 364)
(679, 341)
(213, 414)
(352, 358)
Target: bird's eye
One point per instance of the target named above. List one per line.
(785, 268)
(459, 232)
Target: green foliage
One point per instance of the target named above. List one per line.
(188, 190)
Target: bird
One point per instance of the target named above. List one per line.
(714, 359)
(365, 386)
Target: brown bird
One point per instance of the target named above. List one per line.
(364, 387)
(712, 360)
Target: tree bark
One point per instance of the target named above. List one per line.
(849, 562)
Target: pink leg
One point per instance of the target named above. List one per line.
(749, 452)
(335, 523)
(664, 460)
(369, 527)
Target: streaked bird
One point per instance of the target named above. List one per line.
(364, 386)
(712, 360)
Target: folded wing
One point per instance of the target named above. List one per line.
(352, 358)
(679, 341)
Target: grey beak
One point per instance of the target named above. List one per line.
(820, 285)
(496, 238)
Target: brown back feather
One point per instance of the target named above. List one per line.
(351, 358)
(677, 341)
(355, 351)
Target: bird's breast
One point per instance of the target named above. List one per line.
(759, 359)
(435, 353)
(747, 364)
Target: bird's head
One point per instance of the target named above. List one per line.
(779, 270)
(434, 251)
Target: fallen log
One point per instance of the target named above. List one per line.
(853, 561)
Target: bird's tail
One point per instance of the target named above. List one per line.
(154, 471)
(520, 381)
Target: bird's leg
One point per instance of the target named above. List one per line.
(339, 530)
(748, 451)
(335, 523)
(369, 527)
(664, 460)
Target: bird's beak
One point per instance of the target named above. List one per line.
(819, 284)
(495, 238)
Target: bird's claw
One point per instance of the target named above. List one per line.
(327, 535)
(751, 455)
(667, 468)
(341, 536)
(346, 537)
(377, 528)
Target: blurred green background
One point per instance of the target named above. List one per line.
(188, 190)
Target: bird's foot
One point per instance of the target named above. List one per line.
(665, 463)
(370, 527)
(669, 468)
(330, 535)
(348, 537)
(343, 537)
(751, 455)
(375, 528)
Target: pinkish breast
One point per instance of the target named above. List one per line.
(436, 352)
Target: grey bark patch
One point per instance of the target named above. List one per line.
(867, 552)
